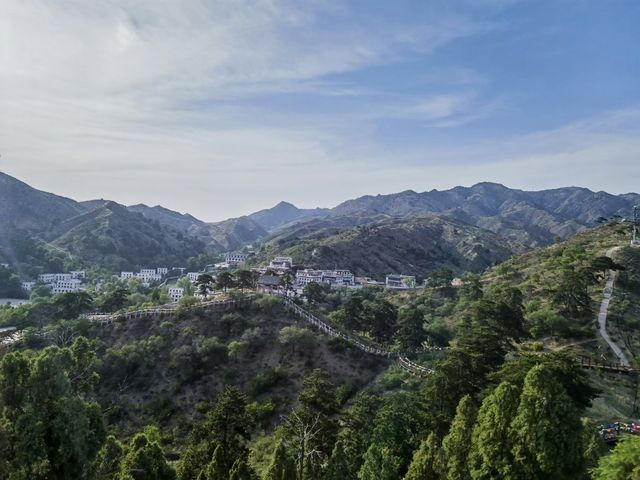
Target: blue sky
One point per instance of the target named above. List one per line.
(220, 108)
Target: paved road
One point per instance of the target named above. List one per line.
(604, 309)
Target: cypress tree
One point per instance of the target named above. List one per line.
(241, 471)
(216, 469)
(428, 461)
(623, 463)
(457, 443)
(282, 466)
(490, 457)
(546, 432)
(380, 464)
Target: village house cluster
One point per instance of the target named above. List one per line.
(58, 282)
(147, 275)
(270, 280)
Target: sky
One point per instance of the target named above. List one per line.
(223, 107)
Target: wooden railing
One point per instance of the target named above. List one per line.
(357, 342)
(163, 310)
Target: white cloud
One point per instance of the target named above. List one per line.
(158, 101)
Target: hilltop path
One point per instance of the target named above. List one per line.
(604, 309)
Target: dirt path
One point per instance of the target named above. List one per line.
(604, 309)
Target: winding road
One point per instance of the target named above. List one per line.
(604, 309)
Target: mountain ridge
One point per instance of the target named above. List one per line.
(529, 218)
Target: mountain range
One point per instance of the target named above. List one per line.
(408, 231)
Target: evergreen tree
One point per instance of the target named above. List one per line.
(380, 464)
(227, 426)
(622, 464)
(353, 312)
(225, 280)
(50, 428)
(108, 460)
(409, 332)
(311, 429)
(380, 317)
(282, 466)
(241, 471)
(428, 462)
(341, 463)
(457, 443)
(546, 432)
(145, 461)
(204, 282)
(354, 438)
(490, 457)
(216, 470)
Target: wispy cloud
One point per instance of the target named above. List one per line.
(222, 107)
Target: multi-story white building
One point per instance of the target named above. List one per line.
(193, 276)
(281, 263)
(47, 277)
(54, 277)
(126, 275)
(306, 276)
(176, 293)
(78, 274)
(65, 286)
(162, 270)
(236, 258)
(335, 278)
(28, 286)
(400, 281)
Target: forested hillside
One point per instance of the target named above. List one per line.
(413, 246)
(254, 393)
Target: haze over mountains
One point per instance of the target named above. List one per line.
(486, 217)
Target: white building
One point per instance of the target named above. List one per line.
(193, 276)
(125, 275)
(5, 265)
(335, 278)
(236, 258)
(54, 277)
(65, 286)
(162, 270)
(47, 277)
(281, 263)
(28, 286)
(78, 274)
(400, 281)
(176, 293)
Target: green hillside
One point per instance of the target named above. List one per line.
(416, 245)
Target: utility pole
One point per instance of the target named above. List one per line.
(636, 224)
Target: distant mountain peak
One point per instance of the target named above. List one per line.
(285, 205)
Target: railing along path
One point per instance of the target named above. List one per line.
(329, 330)
(212, 305)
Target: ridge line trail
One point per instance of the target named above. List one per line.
(604, 309)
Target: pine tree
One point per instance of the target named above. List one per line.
(311, 429)
(282, 466)
(216, 470)
(490, 456)
(457, 443)
(409, 332)
(380, 464)
(546, 432)
(428, 461)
